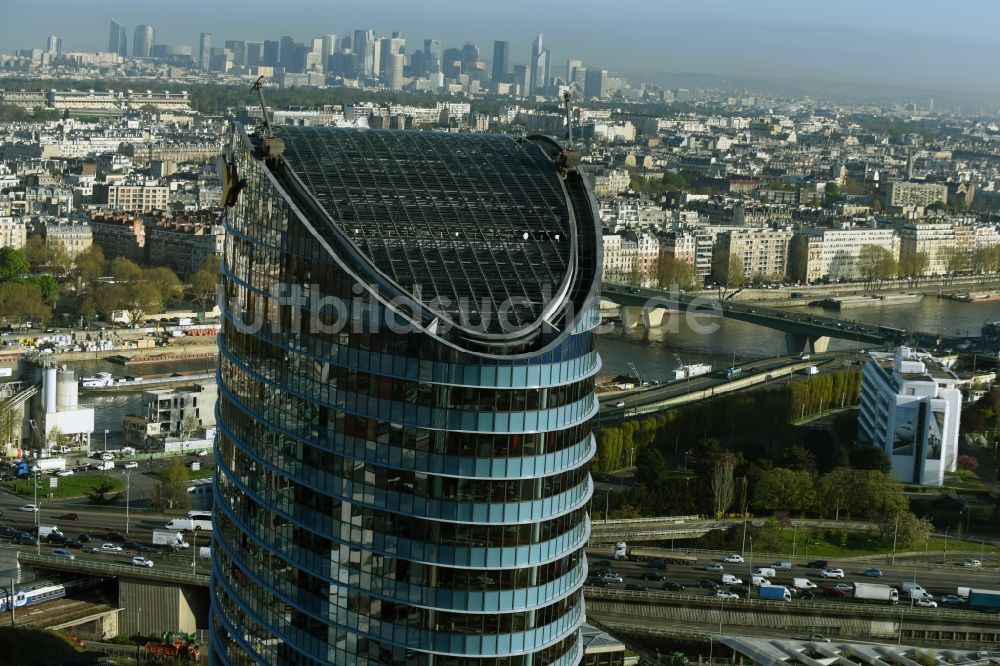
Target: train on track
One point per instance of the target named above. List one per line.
(31, 595)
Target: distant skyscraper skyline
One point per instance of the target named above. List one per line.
(118, 39)
(537, 68)
(364, 52)
(501, 55)
(205, 51)
(142, 43)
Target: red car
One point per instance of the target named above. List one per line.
(835, 592)
(69, 516)
(113, 536)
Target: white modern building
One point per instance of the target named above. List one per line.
(910, 408)
(834, 253)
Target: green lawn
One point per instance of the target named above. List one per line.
(830, 544)
(203, 473)
(69, 486)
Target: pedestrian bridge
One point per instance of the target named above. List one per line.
(804, 332)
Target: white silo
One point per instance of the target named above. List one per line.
(67, 391)
(49, 389)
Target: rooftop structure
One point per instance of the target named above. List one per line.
(403, 438)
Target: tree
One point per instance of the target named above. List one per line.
(875, 264)
(728, 272)
(203, 288)
(13, 264)
(722, 486)
(20, 303)
(35, 251)
(913, 265)
(140, 299)
(671, 272)
(166, 281)
(782, 489)
(85, 308)
(90, 264)
(99, 496)
(46, 284)
(107, 298)
(124, 270)
(172, 491)
(954, 258)
(904, 528)
(651, 467)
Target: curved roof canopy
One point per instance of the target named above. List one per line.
(469, 224)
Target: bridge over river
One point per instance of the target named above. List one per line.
(804, 331)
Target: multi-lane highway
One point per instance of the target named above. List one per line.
(936, 579)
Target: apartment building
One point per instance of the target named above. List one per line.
(74, 236)
(183, 244)
(764, 252)
(833, 253)
(138, 197)
(13, 231)
(120, 234)
(931, 238)
(910, 408)
(902, 193)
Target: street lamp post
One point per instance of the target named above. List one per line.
(38, 538)
(106, 431)
(128, 486)
(138, 633)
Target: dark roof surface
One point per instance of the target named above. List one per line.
(449, 217)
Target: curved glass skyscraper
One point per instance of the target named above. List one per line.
(406, 382)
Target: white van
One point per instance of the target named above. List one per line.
(730, 579)
(766, 572)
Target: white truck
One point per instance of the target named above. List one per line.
(50, 464)
(812, 370)
(106, 465)
(875, 592)
(913, 590)
(168, 538)
(621, 550)
(803, 584)
(45, 530)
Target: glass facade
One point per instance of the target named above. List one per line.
(399, 481)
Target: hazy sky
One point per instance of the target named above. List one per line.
(939, 45)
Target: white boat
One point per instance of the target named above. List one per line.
(98, 380)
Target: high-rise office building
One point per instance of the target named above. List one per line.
(142, 41)
(407, 374)
(522, 79)
(596, 85)
(286, 51)
(501, 55)
(205, 51)
(118, 39)
(538, 64)
(54, 45)
(364, 52)
(432, 56)
(329, 48)
(270, 54)
(572, 65)
(390, 46)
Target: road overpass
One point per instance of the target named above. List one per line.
(170, 598)
(648, 612)
(804, 332)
